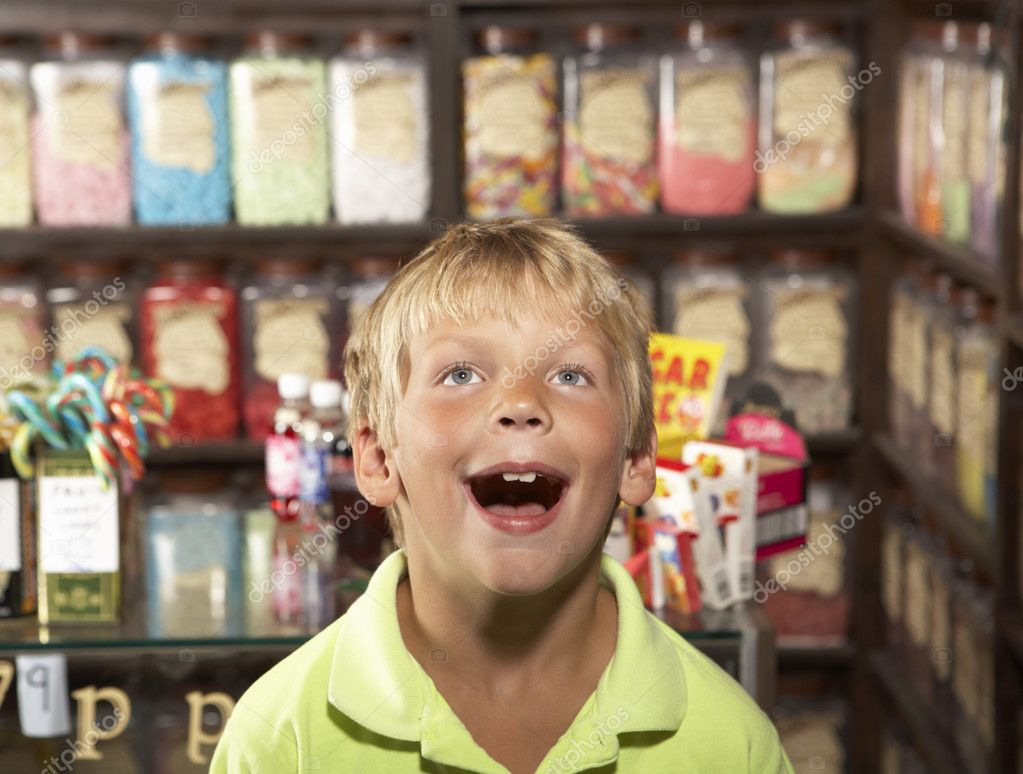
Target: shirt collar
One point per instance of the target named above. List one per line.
(376, 682)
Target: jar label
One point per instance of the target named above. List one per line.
(891, 574)
(918, 612)
(314, 468)
(805, 86)
(17, 326)
(87, 125)
(809, 332)
(953, 121)
(106, 327)
(823, 575)
(190, 347)
(510, 107)
(10, 525)
(941, 636)
(713, 112)
(916, 355)
(14, 136)
(616, 115)
(942, 376)
(78, 525)
(178, 127)
(715, 315)
(386, 122)
(290, 337)
(279, 106)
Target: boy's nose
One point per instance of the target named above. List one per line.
(520, 408)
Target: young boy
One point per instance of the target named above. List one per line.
(500, 407)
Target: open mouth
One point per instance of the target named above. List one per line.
(517, 494)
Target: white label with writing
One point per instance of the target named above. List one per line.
(10, 526)
(77, 525)
(44, 708)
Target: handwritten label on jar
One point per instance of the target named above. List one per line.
(87, 124)
(514, 115)
(105, 328)
(279, 104)
(15, 343)
(941, 636)
(891, 574)
(190, 347)
(942, 381)
(809, 331)
(918, 609)
(715, 315)
(178, 126)
(386, 124)
(290, 337)
(616, 116)
(10, 525)
(805, 84)
(713, 112)
(78, 525)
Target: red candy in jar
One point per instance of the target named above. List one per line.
(189, 338)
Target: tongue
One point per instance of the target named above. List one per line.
(522, 509)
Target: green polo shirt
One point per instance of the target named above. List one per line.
(353, 699)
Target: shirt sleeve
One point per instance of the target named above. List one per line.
(244, 749)
(766, 755)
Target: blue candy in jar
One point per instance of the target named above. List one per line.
(177, 105)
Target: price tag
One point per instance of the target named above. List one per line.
(10, 526)
(43, 704)
(77, 525)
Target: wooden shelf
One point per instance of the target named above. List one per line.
(837, 655)
(834, 444)
(224, 453)
(959, 261)
(965, 531)
(928, 736)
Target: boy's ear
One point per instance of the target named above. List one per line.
(375, 473)
(639, 477)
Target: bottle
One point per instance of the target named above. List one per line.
(323, 430)
(282, 446)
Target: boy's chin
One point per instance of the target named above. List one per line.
(522, 571)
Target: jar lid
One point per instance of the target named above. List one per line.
(194, 480)
(806, 28)
(369, 41)
(70, 44)
(374, 266)
(90, 269)
(169, 42)
(697, 32)
(705, 258)
(949, 36)
(597, 36)
(496, 39)
(795, 259)
(180, 267)
(269, 43)
(286, 267)
(293, 386)
(326, 393)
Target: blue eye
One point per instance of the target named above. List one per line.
(460, 376)
(571, 377)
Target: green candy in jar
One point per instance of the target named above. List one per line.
(278, 132)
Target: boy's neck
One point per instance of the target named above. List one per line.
(505, 643)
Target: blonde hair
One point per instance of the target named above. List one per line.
(498, 268)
